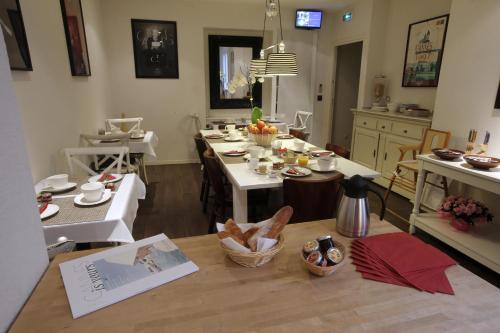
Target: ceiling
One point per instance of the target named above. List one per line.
(316, 4)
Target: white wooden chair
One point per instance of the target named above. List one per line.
(132, 123)
(116, 154)
(301, 121)
(93, 140)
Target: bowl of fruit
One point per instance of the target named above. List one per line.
(262, 133)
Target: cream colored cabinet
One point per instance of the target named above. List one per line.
(376, 140)
(365, 147)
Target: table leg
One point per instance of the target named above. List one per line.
(240, 207)
(422, 174)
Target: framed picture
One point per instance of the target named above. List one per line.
(76, 40)
(11, 21)
(424, 51)
(155, 49)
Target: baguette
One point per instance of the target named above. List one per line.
(249, 233)
(274, 228)
(233, 229)
(225, 234)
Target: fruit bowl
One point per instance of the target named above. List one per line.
(482, 162)
(263, 140)
(447, 154)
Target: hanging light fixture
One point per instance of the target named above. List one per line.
(271, 9)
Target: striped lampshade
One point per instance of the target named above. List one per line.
(258, 67)
(281, 64)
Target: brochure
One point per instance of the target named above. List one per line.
(98, 280)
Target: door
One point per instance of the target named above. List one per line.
(365, 147)
(346, 92)
(389, 154)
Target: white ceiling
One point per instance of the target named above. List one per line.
(316, 4)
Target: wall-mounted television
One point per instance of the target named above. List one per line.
(308, 19)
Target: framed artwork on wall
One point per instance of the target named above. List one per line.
(76, 40)
(11, 21)
(424, 52)
(155, 49)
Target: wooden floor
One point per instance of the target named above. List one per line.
(172, 206)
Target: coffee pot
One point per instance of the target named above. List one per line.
(353, 217)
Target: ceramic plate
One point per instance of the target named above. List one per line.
(66, 187)
(110, 140)
(117, 176)
(138, 137)
(214, 136)
(80, 200)
(247, 156)
(234, 153)
(261, 173)
(315, 167)
(285, 136)
(232, 140)
(303, 171)
(318, 153)
(51, 210)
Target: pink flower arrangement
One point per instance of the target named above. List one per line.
(469, 210)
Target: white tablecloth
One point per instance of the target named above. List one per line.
(145, 146)
(116, 226)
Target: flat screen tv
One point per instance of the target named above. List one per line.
(308, 19)
(497, 102)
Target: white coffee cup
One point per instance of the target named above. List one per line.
(253, 163)
(299, 145)
(233, 135)
(92, 191)
(230, 127)
(392, 106)
(57, 181)
(256, 151)
(326, 162)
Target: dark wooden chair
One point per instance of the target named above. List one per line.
(201, 147)
(312, 199)
(299, 134)
(339, 150)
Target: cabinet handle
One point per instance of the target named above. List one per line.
(364, 122)
(383, 127)
(374, 152)
(405, 131)
(385, 156)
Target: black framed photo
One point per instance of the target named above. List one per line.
(76, 40)
(11, 21)
(155, 49)
(424, 52)
(229, 59)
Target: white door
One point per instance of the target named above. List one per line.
(365, 147)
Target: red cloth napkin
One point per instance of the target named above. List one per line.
(404, 260)
(43, 207)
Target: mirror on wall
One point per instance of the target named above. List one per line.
(11, 21)
(229, 58)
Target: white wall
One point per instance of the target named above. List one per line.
(167, 104)
(57, 107)
(23, 257)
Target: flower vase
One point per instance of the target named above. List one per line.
(460, 224)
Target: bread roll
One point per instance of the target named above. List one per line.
(274, 228)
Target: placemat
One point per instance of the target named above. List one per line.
(69, 213)
(80, 182)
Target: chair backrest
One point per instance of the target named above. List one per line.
(302, 119)
(215, 175)
(434, 139)
(134, 123)
(200, 147)
(299, 134)
(312, 199)
(339, 150)
(114, 153)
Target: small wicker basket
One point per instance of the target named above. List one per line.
(263, 140)
(254, 259)
(325, 271)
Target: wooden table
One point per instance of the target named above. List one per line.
(243, 179)
(279, 297)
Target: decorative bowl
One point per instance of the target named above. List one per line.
(448, 154)
(328, 270)
(482, 162)
(263, 140)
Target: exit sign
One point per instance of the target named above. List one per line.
(347, 16)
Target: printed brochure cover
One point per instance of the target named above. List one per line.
(98, 280)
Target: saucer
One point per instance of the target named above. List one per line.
(58, 189)
(214, 136)
(285, 136)
(81, 201)
(137, 137)
(247, 157)
(228, 139)
(117, 176)
(110, 140)
(234, 153)
(315, 167)
(50, 211)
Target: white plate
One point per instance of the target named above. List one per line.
(214, 136)
(58, 189)
(110, 140)
(235, 153)
(315, 167)
(51, 210)
(247, 157)
(228, 139)
(305, 171)
(322, 151)
(117, 176)
(133, 137)
(80, 200)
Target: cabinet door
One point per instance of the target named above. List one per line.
(389, 153)
(365, 147)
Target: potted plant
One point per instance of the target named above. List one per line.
(463, 212)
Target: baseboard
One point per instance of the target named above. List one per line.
(166, 162)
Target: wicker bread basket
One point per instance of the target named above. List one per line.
(325, 271)
(254, 259)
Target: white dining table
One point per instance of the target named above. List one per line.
(144, 146)
(243, 179)
(117, 224)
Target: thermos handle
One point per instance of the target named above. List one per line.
(382, 212)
